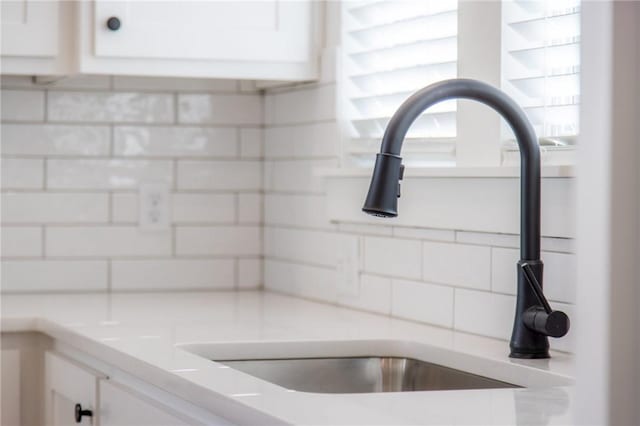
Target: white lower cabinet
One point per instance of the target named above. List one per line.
(120, 406)
(10, 387)
(67, 385)
(76, 391)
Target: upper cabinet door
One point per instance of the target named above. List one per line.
(267, 30)
(29, 28)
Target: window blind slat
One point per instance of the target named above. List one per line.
(541, 63)
(407, 55)
(407, 31)
(380, 12)
(405, 79)
(393, 48)
(428, 125)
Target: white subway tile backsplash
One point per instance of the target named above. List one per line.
(54, 139)
(559, 274)
(21, 173)
(124, 207)
(242, 109)
(22, 105)
(54, 275)
(220, 241)
(479, 312)
(307, 281)
(457, 264)
(167, 141)
(374, 295)
(180, 84)
(486, 239)
(249, 274)
(249, 208)
(509, 240)
(306, 105)
(220, 175)
(563, 245)
(317, 140)
(205, 138)
(504, 270)
(296, 210)
(162, 274)
(392, 257)
(422, 302)
(357, 228)
(48, 207)
(106, 174)
(125, 107)
(251, 144)
(296, 176)
(21, 241)
(105, 241)
(204, 208)
(424, 233)
(306, 246)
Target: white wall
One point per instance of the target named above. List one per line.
(73, 156)
(608, 350)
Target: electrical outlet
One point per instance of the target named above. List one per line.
(153, 206)
(349, 268)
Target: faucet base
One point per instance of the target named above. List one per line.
(529, 355)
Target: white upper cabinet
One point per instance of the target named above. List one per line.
(258, 40)
(29, 28)
(33, 34)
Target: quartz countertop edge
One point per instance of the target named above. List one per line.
(144, 334)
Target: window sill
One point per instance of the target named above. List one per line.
(481, 199)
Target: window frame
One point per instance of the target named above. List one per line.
(480, 140)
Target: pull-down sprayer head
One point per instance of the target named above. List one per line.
(382, 199)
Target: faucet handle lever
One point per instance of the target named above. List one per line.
(535, 286)
(543, 319)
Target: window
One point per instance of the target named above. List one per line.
(392, 49)
(541, 64)
(395, 47)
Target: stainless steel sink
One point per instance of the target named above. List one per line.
(362, 375)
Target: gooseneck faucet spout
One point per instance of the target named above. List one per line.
(534, 318)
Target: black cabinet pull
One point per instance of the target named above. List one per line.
(79, 412)
(113, 23)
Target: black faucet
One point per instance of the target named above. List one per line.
(534, 318)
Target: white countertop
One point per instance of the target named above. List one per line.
(138, 333)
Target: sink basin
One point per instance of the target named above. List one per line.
(372, 366)
(362, 375)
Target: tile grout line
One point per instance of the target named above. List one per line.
(43, 238)
(109, 276)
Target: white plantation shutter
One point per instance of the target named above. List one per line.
(541, 64)
(393, 48)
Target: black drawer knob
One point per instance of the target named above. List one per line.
(113, 23)
(79, 412)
